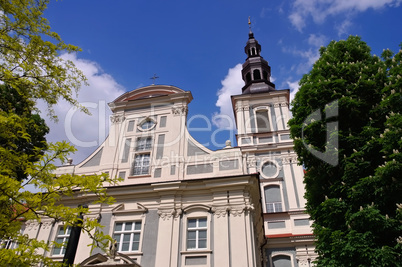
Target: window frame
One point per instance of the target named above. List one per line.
(197, 229)
(130, 126)
(268, 112)
(143, 143)
(133, 166)
(65, 237)
(272, 162)
(277, 206)
(146, 121)
(281, 253)
(131, 233)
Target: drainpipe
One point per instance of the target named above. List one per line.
(73, 240)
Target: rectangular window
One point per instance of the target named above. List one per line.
(141, 164)
(126, 150)
(274, 207)
(197, 233)
(130, 126)
(262, 121)
(144, 143)
(61, 240)
(273, 200)
(127, 235)
(162, 122)
(7, 244)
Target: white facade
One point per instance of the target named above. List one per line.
(268, 150)
(181, 204)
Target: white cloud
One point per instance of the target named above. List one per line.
(310, 55)
(317, 40)
(231, 85)
(294, 87)
(319, 10)
(85, 132)
(344, 27)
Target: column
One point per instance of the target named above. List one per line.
(221, 235)
(290, 188)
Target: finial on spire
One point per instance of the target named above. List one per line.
(250, 34)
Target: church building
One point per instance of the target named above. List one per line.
(182, 204)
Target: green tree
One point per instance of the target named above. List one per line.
(354, 204)
(30, 54)
(31, 68)
(13, 102)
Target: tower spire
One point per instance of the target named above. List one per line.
(256, 72)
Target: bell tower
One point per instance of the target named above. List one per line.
(256, 72)
(262, 115)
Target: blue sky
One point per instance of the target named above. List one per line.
(198, 46)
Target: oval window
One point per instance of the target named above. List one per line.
(147, 125)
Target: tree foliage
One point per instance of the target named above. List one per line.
(30, 52)
(11, 102)
(18, 205)
(356, 204)
(31, 69)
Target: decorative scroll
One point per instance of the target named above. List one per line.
(220, 211)
(289, 159)
(179, 110)
(47, 224)
(233, 210)
(166, 214)
(239, 210)
(252, 163)
(117, 118)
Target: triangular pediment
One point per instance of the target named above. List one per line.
(119, 260)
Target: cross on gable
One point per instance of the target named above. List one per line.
(154, 78)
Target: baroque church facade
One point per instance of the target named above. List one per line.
(182, 204)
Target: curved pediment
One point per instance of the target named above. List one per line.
(148, 92)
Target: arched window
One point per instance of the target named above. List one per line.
(281, 261)
(273, 199)
(257, 74)
(248, 77)
(265, 75)
(263, 124)
(253, 51)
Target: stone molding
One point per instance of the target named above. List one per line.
(305, 261)
(47, 224)
(251, 163)
(177, 111)
(239, 210)
(220, 211)
(289, 159)
(117, 118)
(32, 225)
(166, 214)
(233, 210)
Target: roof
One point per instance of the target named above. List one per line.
(148, 92)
